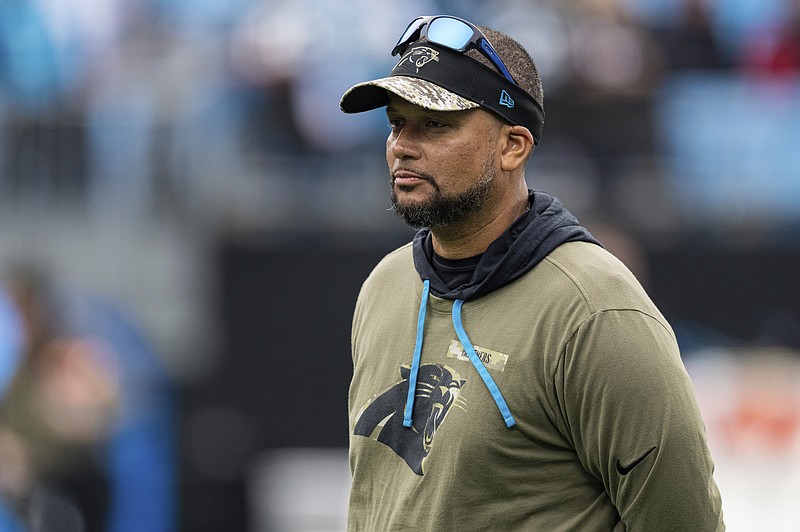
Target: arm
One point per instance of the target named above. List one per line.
(630, 409)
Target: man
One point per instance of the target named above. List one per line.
(86, 421)
(509, 373)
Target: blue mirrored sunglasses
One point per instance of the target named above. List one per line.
(450, 32)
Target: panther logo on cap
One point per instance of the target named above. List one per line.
(419, 56)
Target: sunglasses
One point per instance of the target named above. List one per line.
(453, 33)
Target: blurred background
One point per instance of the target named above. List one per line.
(186, 218)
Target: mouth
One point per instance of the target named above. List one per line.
(408, 178)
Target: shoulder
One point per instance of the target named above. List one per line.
(395, 269)
(585, 258)
(597, 277)
(390, 290)
(395, 262)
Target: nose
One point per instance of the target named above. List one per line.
(403, 143)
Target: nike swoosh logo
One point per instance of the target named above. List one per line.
(625, 469)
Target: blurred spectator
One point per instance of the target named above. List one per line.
(611, 52)
(11, 339)
(87, 422)
(28, 66)
(603, 104)
(29, 89)
(774, 50)
(688, 41)
(317, 48)
(735, 21)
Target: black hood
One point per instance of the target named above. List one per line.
(543, 228)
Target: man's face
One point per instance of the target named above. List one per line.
(442, 163)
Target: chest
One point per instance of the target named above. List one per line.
(453, 408)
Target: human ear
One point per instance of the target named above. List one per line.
(517, 147)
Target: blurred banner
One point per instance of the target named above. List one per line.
(750, 399)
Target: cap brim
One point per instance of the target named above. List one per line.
(373, 94)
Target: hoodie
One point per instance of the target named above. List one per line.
(606, 431)
(544, 227)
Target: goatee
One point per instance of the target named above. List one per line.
(440, 210)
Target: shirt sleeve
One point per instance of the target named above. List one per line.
(630, 409)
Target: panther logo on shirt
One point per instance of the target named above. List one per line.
(381, 418)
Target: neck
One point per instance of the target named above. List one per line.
(471, 237)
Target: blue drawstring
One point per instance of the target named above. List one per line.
(412, 378)
(468, 347)
(482, 371)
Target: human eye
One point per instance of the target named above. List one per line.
(395, 123)
(435, 124)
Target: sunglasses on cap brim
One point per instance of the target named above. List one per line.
(451, 32)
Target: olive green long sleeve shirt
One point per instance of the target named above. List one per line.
(608, 435)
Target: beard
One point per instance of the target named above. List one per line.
(440, 210)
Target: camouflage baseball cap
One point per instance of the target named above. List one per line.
(440, 79)
(372, 94)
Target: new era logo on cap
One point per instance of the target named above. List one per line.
(505, 99)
